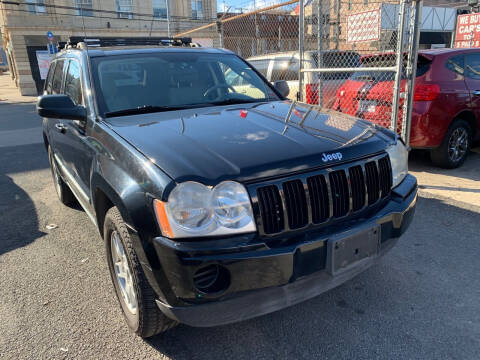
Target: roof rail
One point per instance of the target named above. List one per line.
(81, 42)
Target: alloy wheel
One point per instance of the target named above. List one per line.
(458, 144)
(123, 273)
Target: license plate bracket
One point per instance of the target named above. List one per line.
(345, 251)
(367, 106)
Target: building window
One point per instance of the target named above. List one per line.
(36, 6)
(349, 4)
(124, 9)
(365, 2)
(84, 7)
(197, 9)
(159, 9)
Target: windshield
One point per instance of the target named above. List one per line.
(149, 82)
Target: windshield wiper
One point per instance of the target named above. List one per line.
(236, 101)
(146, 109)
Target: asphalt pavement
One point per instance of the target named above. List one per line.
(57, 301)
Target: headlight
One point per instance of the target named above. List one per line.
(195, 210)
(399, 159)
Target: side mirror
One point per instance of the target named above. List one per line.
(60, 107)
(282, 87)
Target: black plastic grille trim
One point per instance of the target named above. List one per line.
(385, 170)
(319, 201)
(271, 209)
(322, 197)
(373, 184)
(296, 203)
(357, 184)
(340, 196)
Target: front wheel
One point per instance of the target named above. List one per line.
(455, 146)
(136, 296)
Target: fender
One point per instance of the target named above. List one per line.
(125, 193)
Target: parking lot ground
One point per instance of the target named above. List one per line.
(57, 302)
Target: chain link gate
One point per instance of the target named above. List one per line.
(359, 57)
(353, 56)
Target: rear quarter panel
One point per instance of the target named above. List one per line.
(431, 119)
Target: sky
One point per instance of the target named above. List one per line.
(235, 5)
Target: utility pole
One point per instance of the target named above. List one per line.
(168, 18)
(257, 32)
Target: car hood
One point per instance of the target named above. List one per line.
(248, 142)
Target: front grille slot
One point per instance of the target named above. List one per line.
(385, 170)
(322, 197)
(340, 195)
(296, 203)
(373, 184)
(357, 184)
(271, 209)
(319, 201)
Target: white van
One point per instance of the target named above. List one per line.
(285, 66)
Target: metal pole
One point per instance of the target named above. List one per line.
(280, 46)
(257, 41)
(399, 65)
(338, 5)
(319, 50)
(301, 22)
(220, 32)
(168, 18)
(412, 65)
(454, 33)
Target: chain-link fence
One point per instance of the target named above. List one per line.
(353, 56)
(358, 58)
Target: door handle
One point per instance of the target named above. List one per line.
(61, 127)
(476, 92)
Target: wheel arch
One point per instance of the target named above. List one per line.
(470, 118)
(105, 197)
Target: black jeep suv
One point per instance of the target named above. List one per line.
(218, 199)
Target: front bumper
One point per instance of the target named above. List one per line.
(268, 278)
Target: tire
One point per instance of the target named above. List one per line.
(140, 310)
(453, 151)
(64, 193)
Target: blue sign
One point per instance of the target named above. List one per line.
(49, 35)
(52, 49)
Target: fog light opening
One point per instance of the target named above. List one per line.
(211, 279)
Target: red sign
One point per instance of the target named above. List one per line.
(468, 31)
(363, 26)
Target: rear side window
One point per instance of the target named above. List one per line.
(48, 81)
(57, 78)
(456, 64)
(472, 66)
(73, 85)
(423, 65)
(261, 66)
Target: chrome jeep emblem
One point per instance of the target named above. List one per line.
(332, 156)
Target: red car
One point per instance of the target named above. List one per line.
(446, 107)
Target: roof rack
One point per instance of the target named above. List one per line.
(81, 42)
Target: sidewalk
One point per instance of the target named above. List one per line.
(9, 92)
(19, 123)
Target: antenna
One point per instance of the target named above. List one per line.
(83, 19)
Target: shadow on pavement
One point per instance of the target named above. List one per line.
(420, 161)
(413, 304)
(18, 221)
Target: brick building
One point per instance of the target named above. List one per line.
(24, 24)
